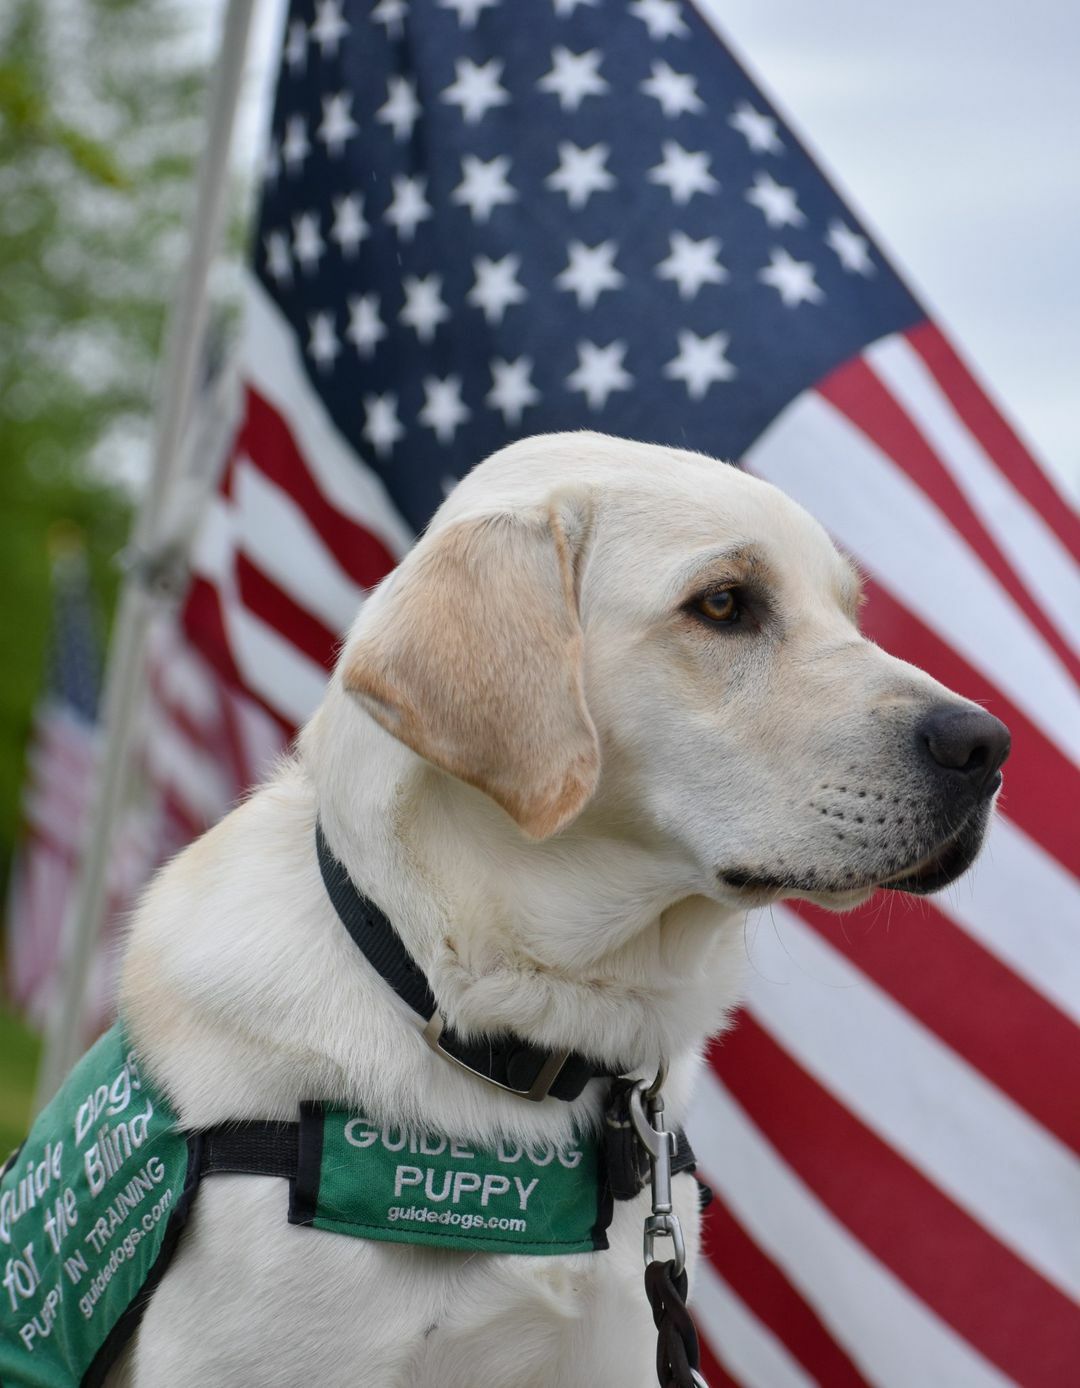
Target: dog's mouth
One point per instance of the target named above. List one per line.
(944, 864)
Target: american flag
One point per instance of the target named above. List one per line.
(61, 765)
(482, 219)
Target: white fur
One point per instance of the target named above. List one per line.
(615, 936)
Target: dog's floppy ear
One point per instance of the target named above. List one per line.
(475, 662)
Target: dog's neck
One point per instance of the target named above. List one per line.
(593, 941)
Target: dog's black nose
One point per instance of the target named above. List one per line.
(966, 741)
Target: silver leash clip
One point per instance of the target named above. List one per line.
(647, 1116)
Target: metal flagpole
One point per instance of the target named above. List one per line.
(155, 558)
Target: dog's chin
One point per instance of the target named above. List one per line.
(949, 860)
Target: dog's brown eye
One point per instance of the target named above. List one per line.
(722, 606)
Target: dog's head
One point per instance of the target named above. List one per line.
(645, 637)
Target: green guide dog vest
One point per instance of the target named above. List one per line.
(90, 1209)
(92, 1204)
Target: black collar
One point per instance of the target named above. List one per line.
(505, 1061)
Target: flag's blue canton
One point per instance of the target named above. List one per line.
(489, 218)
(74, 642)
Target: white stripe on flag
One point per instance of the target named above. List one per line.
(190, 772)
(271, 666)
(1028, 543)
(213, 551)
(747, 1348)
(276, 535)
(879, 514)
(1024, 907)
(892, 1072)
(182, 676)
(272, 363)
(867, 1309)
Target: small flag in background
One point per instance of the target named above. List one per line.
(482, 219)
(62, 760)
(199, 745)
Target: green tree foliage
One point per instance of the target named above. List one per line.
(100, 119)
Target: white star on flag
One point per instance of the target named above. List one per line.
(308, 244)
(295, 147)
(349, 227)
(758, 129)
(852, 249)
(700, 362)
(573, 77)
(401, 109)
(484, 187)
(581, 172)
(409, 205)
(424, 307)
(278, 259)
(323, 344)
(329, 28)
(512, 391)
(692, 263)
(391, 13)
(338, 126)
(564, 8)
(496, 286)
(477, 88)
(382, 428)
(295, 50)
(777, 202)
(792, 279)
(683, 172)
(366, 329)
(662, 17)
(443, 409)
(599, 371)
(590, 271)
(675, 91)
(468, 11)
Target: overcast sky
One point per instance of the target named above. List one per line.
(953, 128)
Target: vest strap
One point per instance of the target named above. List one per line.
(263, 1147)
(254, 1147)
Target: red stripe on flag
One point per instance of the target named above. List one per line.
(858, 394)
(277, 609)
(191, 731)
(917, 955)
(999, 1303)
(1042, 787)
(204, 623)
(219, 736)
(232, 738)
(997, 437)
(266, 439)
(190, 826)
(764, 1289)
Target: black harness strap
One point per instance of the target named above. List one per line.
(254, 1147)
(506, 1060)
(262, 1147)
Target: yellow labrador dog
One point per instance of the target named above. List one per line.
(614, 697)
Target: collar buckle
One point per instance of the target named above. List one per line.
(540, 1087)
